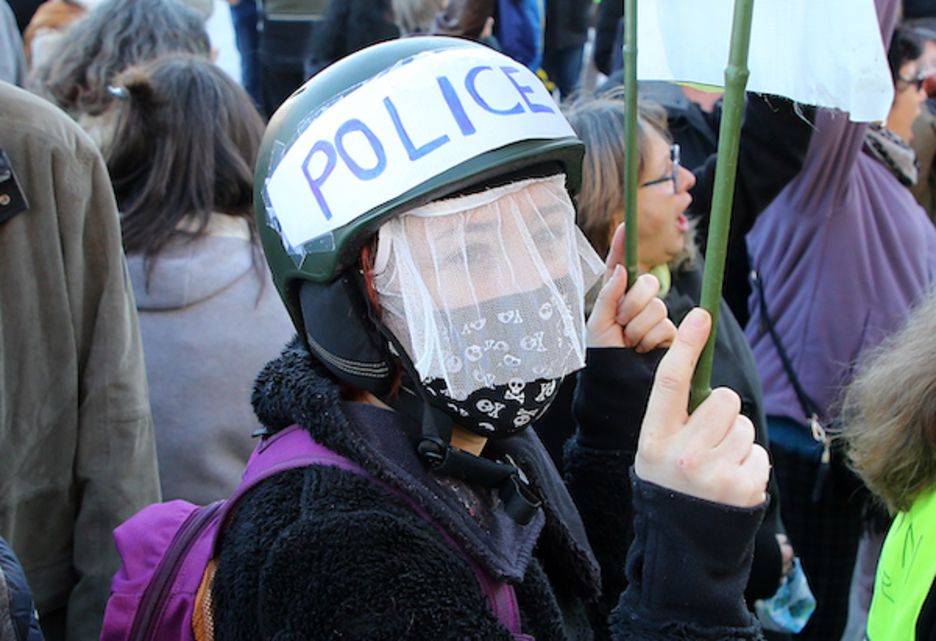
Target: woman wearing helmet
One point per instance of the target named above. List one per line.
(416, 214)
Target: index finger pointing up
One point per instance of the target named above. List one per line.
(667, 409)
(615, 255)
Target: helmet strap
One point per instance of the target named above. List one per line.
(435, 448)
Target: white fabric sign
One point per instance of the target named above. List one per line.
(827, 53)
(401, 128)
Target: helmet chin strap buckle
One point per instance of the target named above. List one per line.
(434, 447)
(433, 450)
(520, 501)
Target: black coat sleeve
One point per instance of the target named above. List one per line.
(625, 518)
(687, 569)
(610, 400)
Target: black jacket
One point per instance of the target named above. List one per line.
(323, 553)
(775, 137)
(733, 366)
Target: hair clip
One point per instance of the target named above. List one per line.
(119, 92)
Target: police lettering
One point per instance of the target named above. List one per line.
(365, 155)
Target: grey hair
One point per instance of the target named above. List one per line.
(599, 122)
(889, 412)
(415, 16)
(112, 37)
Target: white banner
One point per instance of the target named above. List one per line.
(400, 129)
(827, 53)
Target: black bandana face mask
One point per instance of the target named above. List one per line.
(501, 411)
(504, 345)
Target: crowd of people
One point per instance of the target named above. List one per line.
(402, 234)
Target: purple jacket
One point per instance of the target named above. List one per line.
(843, 253)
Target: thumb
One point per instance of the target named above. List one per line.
(667, 409)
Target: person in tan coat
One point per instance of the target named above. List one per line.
(77, 454)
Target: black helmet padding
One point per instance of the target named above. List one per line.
(342, 335)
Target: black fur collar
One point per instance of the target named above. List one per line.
(297, 389)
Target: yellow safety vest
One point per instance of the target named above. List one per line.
(905, 572)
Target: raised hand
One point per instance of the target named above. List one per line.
(710, 454)
(635, 318)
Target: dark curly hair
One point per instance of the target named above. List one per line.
(906, 45)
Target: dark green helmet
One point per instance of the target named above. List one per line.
(384, 130)
(378, 133)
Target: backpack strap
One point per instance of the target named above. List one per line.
(288, 449)
(294, 447)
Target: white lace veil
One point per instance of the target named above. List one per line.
(488, 289)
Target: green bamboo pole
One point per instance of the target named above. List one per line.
(736, 76)
(630, 139)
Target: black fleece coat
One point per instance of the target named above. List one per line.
(323, 553)
(734, 367)
(611, 399)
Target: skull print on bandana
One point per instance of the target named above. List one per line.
(486, 294)
(507, 402)
(500, 411)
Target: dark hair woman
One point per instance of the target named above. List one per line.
(181, 162)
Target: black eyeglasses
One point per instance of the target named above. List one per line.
(674, 157)
(917, 81)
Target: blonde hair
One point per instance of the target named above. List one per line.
(599, 122)
(889, 413)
